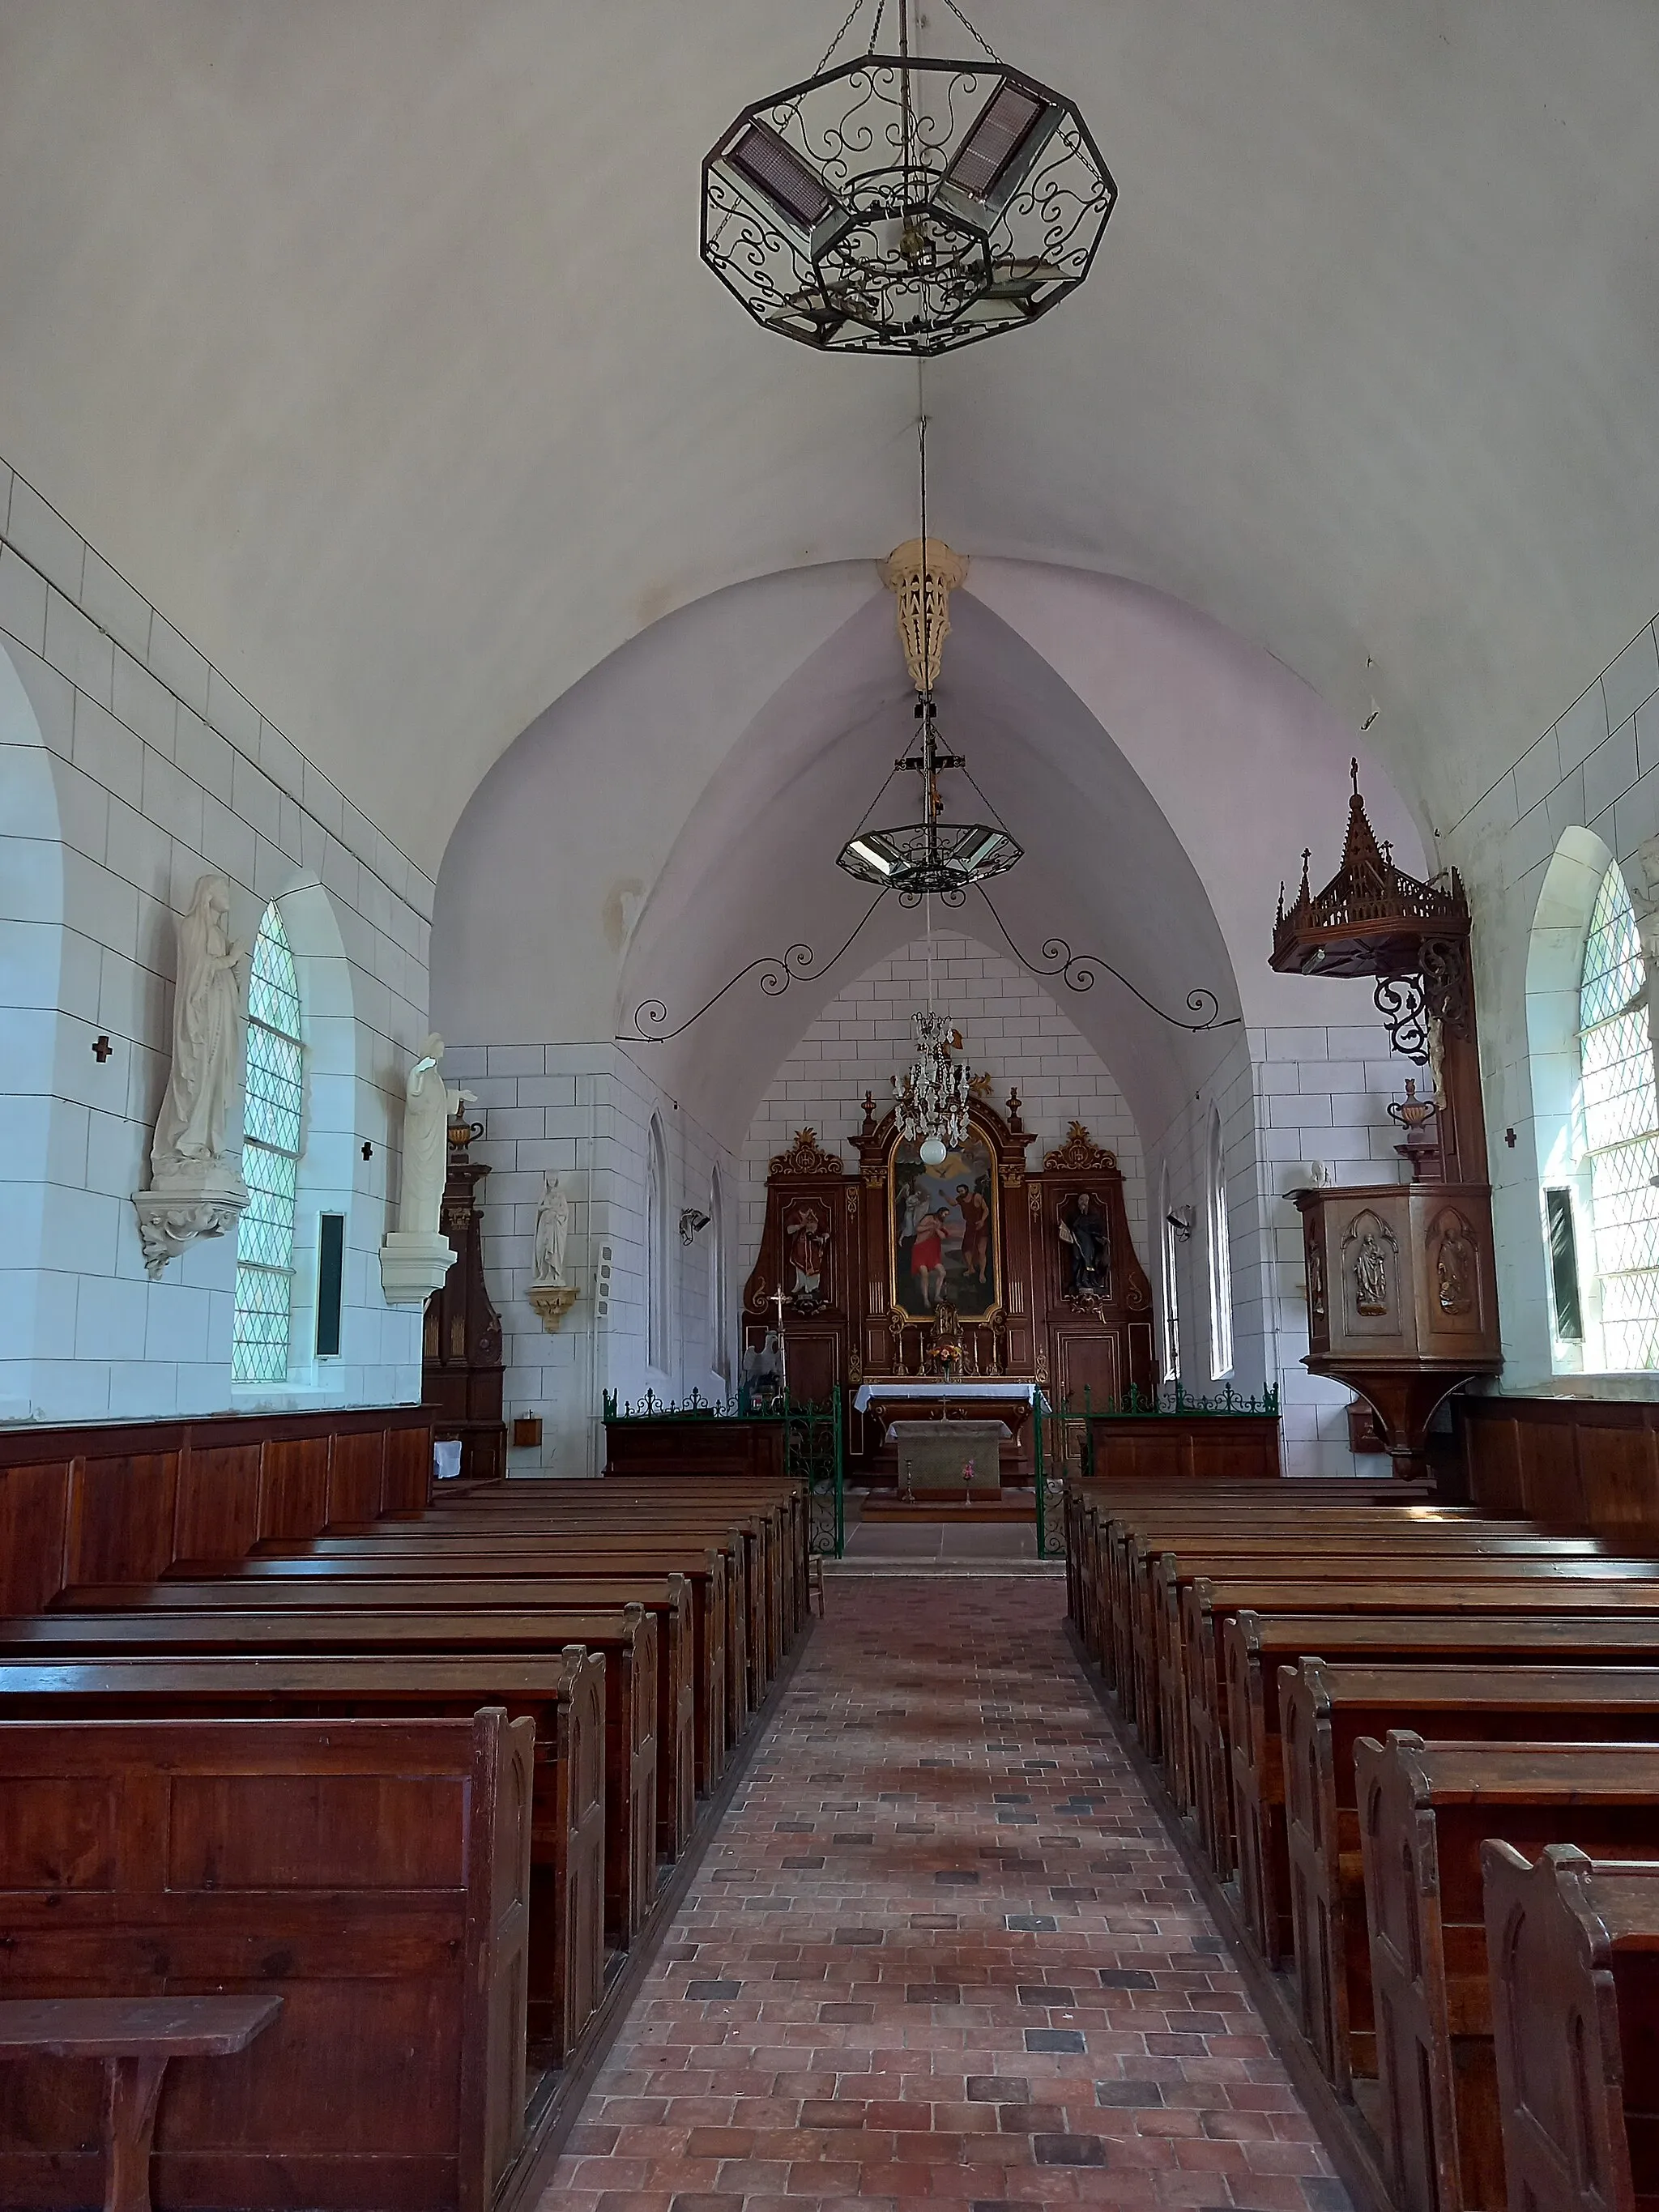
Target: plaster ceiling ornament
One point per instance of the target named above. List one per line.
(900, 206)
(922, 574)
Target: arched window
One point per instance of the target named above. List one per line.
(1620, 1125)
(1221, 1266)
(271, 1124)
(1166, 1245)
(656, 1249)
(719, 1334)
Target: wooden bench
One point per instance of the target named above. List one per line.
(1258, 1647)
(1574, 1945)
(134, 2039)
(372, 1874)
(1519, 1595)
(703, 1571)
(569, 1919)
(751, 1564)
(1162, 1697)
(719, 1641)
(625, 1694)
(1424, 1812)
(1324, 1711)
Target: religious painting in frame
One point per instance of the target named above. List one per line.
(943, 1227)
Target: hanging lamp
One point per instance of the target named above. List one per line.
(900, 204)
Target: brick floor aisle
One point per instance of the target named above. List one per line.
(941, 1948)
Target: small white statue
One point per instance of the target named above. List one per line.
(552, 1228)
(428, 1105)
(207, 1045)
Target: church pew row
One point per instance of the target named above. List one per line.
(1164, 1576)
(488, 1579)
(1328, 1709)
(1574, 1950)
(1518, 1597)
(1580, 1614)
(1425, 1812)
(712, 1561)
(374, 1874)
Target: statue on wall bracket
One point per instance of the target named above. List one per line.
(196, 1187)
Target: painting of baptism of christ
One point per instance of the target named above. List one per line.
(942, 1230)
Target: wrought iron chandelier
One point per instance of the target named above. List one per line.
(897, 204)
(931, 1097)
(931, 858)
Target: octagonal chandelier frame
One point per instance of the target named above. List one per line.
(901, 205)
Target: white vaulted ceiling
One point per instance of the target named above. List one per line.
(369, 338)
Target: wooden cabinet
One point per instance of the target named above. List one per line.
(461, 1369)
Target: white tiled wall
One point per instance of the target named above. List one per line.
(157, 769)
(1012, 1030)
(1596, 767)
(583, 1112)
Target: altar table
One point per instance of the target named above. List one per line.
(1006, 1398)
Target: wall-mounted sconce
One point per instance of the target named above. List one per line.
(1179, 1219)
(691, 1222)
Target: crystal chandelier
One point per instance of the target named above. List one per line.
(893, 204)
(931, 1095)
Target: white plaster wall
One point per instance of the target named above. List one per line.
(1012, 1032)
(162, 769)
(1596, 767)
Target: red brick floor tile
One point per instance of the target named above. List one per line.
(939, 1951)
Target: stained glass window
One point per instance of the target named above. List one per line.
(1621, 1129)
(270, 1159)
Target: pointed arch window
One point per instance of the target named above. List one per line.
(719, 1333)
(272, 1120)
(1621, 1129)
(1221, 1265)
(656, 1251)
(1166, 1233)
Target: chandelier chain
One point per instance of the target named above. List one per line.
(974, 33)
(853, 13)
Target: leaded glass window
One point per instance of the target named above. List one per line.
(1622, 1129)
(272, 1122)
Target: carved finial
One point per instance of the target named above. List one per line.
(1307, 855)
(869, 1128)
(1013, 1114)
(923, 575)
(1280, 916)
(1353, 770)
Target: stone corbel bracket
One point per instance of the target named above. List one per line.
(173, 1213)
(413, 1265)
(552, 1302)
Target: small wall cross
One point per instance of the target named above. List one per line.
(102, 1049)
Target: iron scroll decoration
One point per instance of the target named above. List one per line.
(776, 972)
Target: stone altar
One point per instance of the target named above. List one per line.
(933, 1456)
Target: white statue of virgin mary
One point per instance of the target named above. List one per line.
(207, 1021)
(426, 1143)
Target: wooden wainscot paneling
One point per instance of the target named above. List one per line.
(1571, 1461)
(126, 1502)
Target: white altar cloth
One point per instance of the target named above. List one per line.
(916, 1389)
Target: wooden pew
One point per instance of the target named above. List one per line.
(1519, 1595)
(1104, 1519)
(1425, 1810)
(577, 1553)
(1161, 1699)
(626, 1638)
(751, 1538)
(560, 1697)
(372, 1874)
(1574, 1945)
(1258, 1647)
(1324, 1711)
(703, 1571)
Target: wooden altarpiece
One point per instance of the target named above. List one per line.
(1046, 1282)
